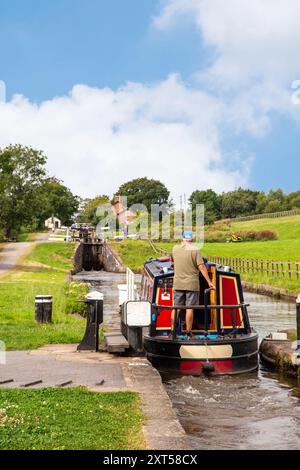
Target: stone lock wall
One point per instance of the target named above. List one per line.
(108, 259)
(111, 261)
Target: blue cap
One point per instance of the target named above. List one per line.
(187, 235)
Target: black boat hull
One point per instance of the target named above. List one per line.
(195, 357)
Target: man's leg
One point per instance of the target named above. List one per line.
(192, 298)
(189, 318)
(179, 299)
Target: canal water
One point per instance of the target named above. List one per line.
(259, 410)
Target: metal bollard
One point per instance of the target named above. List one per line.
(43, 308)
(90, 341)
(298, 321)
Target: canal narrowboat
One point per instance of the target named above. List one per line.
(223, 341)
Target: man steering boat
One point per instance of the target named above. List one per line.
(188, 262)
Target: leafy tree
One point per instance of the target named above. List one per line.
(274, 201)
(293, 200)
(22, 172)
(211, 201)
(89, 214)
(145, 191)
(262, 202)
(238, 203)
(56, 199)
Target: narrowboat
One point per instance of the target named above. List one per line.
(223, 341)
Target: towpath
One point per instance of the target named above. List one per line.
(12, 253)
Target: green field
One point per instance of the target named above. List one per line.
(285, 248)
(44, 271)
(73, 418)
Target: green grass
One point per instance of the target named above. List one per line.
(26, 237)
(74, 418)
(133, 252)
(44, 271)
(54, 255)
(286, 248)
(288, 228)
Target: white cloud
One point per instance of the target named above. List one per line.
(252, 39)
(256, 55)
(96, 139)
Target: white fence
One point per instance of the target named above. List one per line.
(130, 284)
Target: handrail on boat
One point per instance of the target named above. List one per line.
(198, 307)
(206, 308)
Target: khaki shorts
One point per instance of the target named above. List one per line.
(186, 297)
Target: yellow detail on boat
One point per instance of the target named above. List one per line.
(206, 352)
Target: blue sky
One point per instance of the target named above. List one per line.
(239, 134)
(48, 46)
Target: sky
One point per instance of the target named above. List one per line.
(197, 93)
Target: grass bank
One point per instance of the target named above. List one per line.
(43, 271)
(285, 248)
(29, 236)
(74, 418)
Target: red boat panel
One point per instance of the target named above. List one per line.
(195, 367)
(229, 296)
(164, 298)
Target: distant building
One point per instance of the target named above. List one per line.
(53, 223)
(123, 214)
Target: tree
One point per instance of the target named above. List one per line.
(22, 172)
(145, 191)
(89, 214)
(274, 201)
(293, 200)
(238, 203)
(56, 199)
(211, 201)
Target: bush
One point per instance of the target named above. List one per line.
(257, 235)
(75, 292)
(245, 236)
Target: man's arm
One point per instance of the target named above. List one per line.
(203, 270)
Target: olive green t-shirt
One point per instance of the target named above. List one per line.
(186, 261)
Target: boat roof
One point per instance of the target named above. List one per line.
(163, 267)
(159, 267)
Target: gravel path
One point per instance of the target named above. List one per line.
(13, 252)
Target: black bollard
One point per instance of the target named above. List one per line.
(43, 308)
(90, 341)
(298, 321)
